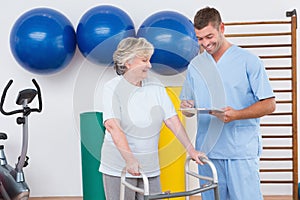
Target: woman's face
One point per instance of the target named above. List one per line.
(139, 67)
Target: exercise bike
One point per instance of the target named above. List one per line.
(12, 180)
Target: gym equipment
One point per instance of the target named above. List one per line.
(212, 183)
(275, 165)
(172, 34)
(12, 180)
(92, 133)
(172, 154)
(100, 30)
(43, 41)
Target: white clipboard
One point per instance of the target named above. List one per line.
(201, 110)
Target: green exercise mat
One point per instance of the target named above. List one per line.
(92, 134)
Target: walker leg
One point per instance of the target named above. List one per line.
(216, 193)
(122, 192)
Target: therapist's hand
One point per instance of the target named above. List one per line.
(228, 115)
(187, 104)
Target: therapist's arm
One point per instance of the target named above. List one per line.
(256, 110)
(175, 125)
(120, 140)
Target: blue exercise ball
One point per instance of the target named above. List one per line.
(43, 41)
(100, 30)
(173, 37)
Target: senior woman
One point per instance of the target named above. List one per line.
(134, 108)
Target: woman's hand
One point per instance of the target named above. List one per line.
(196, 155)
(132, 167)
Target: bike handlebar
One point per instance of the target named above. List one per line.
(39, 109)
(38, 89)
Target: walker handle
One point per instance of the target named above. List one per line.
(124, 184)
(213, 179)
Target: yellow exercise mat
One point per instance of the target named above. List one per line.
(172, 154)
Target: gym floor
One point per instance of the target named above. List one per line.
(192, 198)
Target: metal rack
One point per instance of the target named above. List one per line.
(275, 43)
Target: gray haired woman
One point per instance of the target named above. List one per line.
(134, 108)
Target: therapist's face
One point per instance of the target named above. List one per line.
(210, 38)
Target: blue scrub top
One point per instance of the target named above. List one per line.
(237, 80)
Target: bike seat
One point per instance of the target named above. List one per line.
(3, 136)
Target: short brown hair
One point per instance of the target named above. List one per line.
(205, 16)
